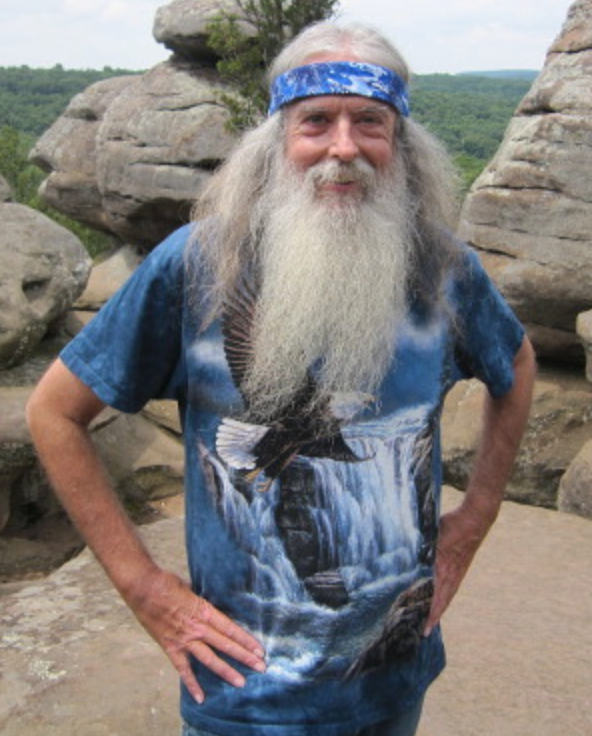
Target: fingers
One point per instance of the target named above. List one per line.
(180, 662)
(204, 633)
(246, 644)
(202, 640)
(457, 544)
(439, 604)
(211, 631)
(204, 654)
(186, 626)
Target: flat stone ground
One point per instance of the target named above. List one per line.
(519, 633)
(75, 663)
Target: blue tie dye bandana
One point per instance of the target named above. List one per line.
(340, 78)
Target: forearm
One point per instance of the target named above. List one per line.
(463, 529)
(184, 625)
(504, 422)
(66, 451)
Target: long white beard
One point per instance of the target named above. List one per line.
(333, 291)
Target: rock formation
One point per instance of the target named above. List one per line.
(107, 275)
(181, 26)
(560, 424)
(584, 330)
(43, 268)
(69, 630)
(129, 154)
(530, 211)
(128, 157)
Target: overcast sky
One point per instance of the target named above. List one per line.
(434, 35)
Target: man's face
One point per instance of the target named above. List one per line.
(343, 129)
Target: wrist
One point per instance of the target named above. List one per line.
(136, 578)
(481, 510)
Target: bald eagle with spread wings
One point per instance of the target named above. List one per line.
(308, 426)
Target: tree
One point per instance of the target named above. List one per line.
(244, 56)
(12, 159)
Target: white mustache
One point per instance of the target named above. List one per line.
(338, 172)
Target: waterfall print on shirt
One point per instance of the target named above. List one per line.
(339, 525)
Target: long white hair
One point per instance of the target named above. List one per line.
(226, 237)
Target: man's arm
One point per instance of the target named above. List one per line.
(58, 414)
(463, 530)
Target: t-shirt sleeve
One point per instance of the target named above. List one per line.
(488, 333)
(130, 352)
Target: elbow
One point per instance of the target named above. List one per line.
(36, 414)
(525, 361)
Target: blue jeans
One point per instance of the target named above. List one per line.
(404, 725)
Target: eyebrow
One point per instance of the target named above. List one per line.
(307, 107)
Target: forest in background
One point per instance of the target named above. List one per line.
(468, 112)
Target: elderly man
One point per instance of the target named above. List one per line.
(309, 324)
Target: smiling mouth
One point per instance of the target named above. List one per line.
(328, 183)
(340, 186)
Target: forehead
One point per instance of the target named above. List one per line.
(337, 103)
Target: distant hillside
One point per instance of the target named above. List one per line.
(468, 112)
(528, 74)
(31, 99)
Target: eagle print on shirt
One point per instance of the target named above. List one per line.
(340, 524)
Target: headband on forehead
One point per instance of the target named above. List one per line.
(340, 78)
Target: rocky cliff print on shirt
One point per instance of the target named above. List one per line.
(338, 520)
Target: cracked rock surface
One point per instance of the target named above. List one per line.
(43, 268)
(529, 213)
(129, 154)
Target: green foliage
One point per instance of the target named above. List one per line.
(526, 74)
(31, 99)
(469, 168)
(95, 241)
(468, 113)
(25, 179)
(244, 57)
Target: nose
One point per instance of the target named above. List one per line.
(343, 146)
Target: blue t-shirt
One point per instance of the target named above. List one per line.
(326, 556)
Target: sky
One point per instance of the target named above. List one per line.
(445, 36)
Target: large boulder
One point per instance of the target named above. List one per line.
(43, 268)
(530, 211)
(16, 453)
(181, 26)
(143, 456)
(130, 155)
(584, 330)
(575, 489)
(67, 151)
(143, 461)
(107, 276)
(560, 425)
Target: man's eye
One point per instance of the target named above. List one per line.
(316, 119)
(370, 120)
